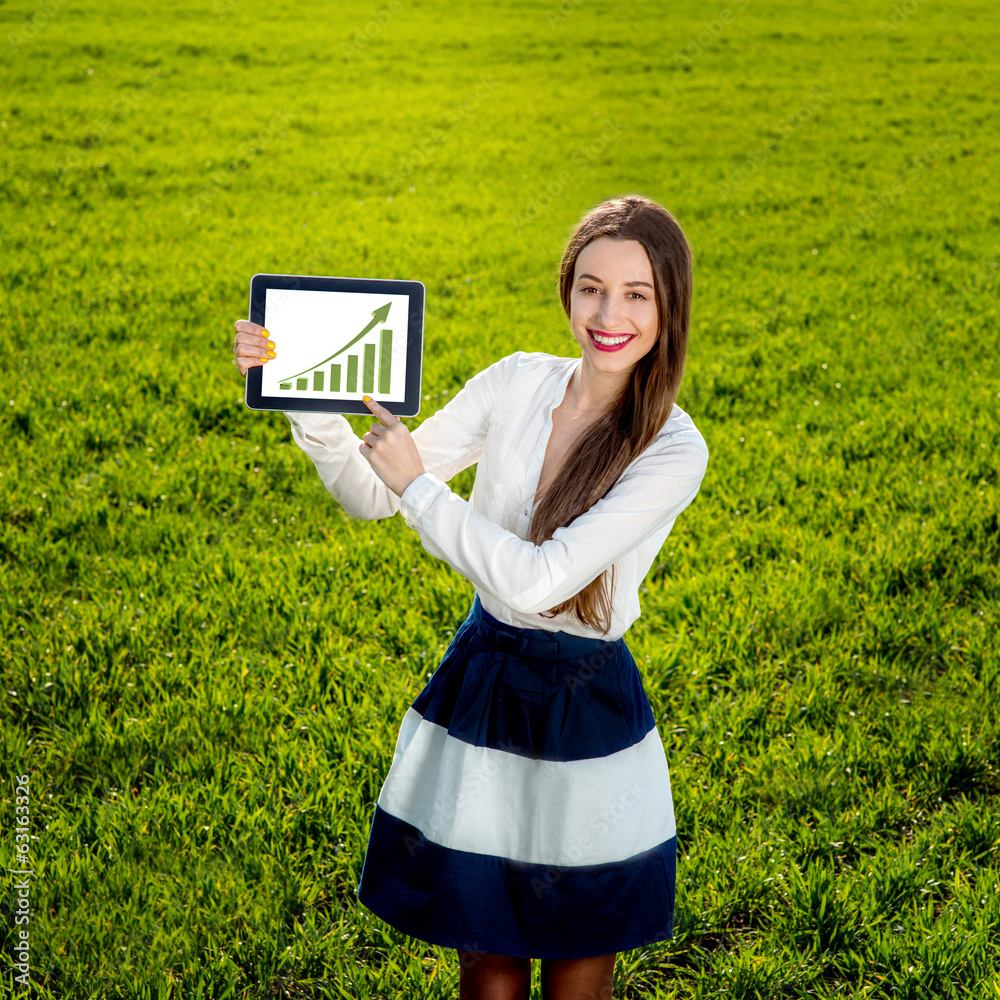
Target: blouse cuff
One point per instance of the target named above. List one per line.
(418, 496)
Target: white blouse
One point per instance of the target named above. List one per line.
(502, 420)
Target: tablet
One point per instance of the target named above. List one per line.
(336, 340)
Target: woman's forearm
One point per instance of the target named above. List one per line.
(327, 438)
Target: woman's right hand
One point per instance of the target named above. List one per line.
(252, 346)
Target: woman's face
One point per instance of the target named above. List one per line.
(613, 309)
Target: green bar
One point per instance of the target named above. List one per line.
(352, 373)
(285, 385)
(303, 383)
(334, 378)
(368, 381)
(384, 362)
(317, 381)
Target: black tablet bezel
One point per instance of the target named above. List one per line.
(415, 290)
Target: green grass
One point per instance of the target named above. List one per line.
(206, 662)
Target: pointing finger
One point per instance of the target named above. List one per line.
(383, 415)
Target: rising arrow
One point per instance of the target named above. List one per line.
(378, 316)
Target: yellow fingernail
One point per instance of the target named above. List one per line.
(263, 359)
(265, 333)
(270, 344)
(271, 354)
(367, 399)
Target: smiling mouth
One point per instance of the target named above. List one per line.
(610, 341)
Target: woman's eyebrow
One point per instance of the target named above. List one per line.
(628, 284)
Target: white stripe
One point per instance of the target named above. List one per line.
(578, 812)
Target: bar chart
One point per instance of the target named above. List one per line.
(369, 364)
(375, 363)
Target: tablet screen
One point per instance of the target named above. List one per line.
(336, 340)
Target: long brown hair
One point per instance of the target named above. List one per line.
(603, 452)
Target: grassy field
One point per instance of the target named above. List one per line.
(205, 661)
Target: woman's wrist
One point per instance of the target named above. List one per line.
(411, 482)
(418, 495)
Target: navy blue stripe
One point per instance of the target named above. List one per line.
(479, 902)
(544, 695)
(537, 642)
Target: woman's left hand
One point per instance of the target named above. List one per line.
(390, 450)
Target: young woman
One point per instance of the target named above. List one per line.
(527, 812)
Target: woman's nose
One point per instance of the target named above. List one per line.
(611, 315)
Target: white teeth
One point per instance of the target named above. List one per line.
(610, 341)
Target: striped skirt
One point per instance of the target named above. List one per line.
(527, 810)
